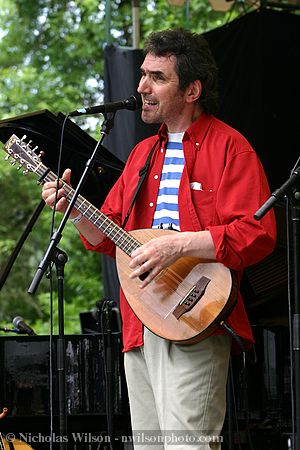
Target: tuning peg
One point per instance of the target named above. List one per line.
(25, 172)
(13, 162)
(7, 157)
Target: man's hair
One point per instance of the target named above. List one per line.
(194, 61)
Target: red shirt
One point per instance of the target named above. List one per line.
(233, 186)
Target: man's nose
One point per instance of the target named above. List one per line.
(144, 86)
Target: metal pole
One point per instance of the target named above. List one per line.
(187, 14)
(296, 319)
(135, 23)
(108, 22)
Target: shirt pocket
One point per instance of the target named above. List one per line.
(205, 206)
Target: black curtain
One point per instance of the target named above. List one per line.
(259, 72)
(121, 80)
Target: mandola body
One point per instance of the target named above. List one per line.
(154, 305)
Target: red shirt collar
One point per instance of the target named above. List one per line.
(196, 131)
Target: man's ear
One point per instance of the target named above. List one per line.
(193, 91)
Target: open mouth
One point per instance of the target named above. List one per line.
(149, 103)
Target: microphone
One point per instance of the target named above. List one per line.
(22, 326)
(132, 103)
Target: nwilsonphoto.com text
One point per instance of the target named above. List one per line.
(138, 438)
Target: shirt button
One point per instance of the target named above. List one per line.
(155, 177)
(197, 143)
(161, 150)
(151, 204)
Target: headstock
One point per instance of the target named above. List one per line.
(20, 152)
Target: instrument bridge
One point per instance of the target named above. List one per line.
(192, 297)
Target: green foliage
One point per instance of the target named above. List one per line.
(83, 283)
(49, 52)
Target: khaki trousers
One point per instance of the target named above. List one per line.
(177, 393)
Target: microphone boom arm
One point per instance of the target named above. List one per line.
(280, 193)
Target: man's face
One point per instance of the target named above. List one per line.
(163, 101)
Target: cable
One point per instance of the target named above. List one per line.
(245, 357)
(232, 392)
(233, 334)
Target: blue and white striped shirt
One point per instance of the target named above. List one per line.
(166, 213)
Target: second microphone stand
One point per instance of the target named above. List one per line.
(105, 309)
(291, 190)
(58, 257)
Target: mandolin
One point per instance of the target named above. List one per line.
(185, 303)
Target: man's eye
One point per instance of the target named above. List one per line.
(157, 77)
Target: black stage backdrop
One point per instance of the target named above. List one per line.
(258, 60)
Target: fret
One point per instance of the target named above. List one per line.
(109, 229)
(129, 245)
(41, 172)
(80, 204)
(87, 210)
(37, 168)
(98, 217)
(68, 196)
(93, 214)
(120, 239)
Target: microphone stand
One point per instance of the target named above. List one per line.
(109, 368)
(58, 257)
(105, 308)
(291, 189)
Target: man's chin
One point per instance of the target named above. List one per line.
(149, 118)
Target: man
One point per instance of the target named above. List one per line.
(206, 181)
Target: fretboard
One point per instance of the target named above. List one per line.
(121, 238)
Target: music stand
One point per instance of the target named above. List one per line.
(44, 129)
